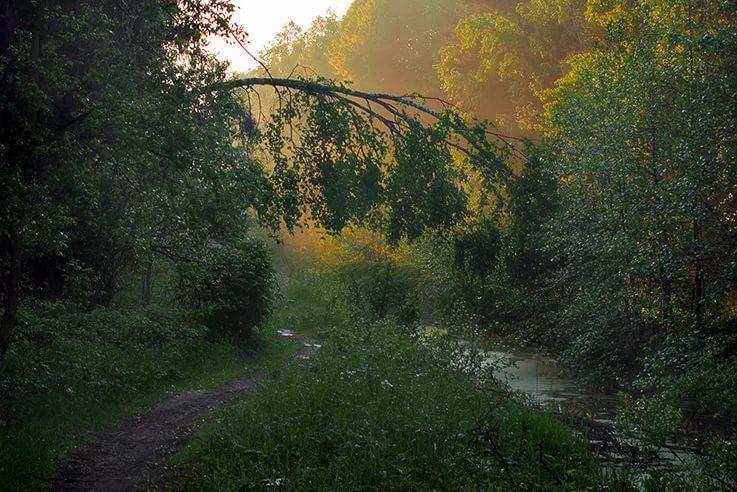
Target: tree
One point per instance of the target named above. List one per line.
(295, 51)
(641, 127)
(392, 46)
(107, 152)
(345, 154)
(500, 59)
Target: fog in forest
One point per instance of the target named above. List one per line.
(419, 245)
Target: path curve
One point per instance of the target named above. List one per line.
(130, 455)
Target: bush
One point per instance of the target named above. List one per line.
(382, 289)
(233, 286)
(58, 349)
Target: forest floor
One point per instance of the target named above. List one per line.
(132, 453)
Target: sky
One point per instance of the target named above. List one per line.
(262, 19)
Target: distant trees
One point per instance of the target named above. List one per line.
(501, 58)
(492, 58)
(299, 52)
(393, 46)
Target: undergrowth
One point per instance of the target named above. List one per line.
(377, 408)
(70, 372)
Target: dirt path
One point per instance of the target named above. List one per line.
(131, 454)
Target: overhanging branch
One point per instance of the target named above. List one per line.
(396, 107)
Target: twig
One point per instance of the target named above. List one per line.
(500, 456)
(541, 459)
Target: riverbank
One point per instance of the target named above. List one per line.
(680, 460)
(379, 408)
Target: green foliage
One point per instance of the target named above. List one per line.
(232, 284)
(334, 170)
(61, 350)
(382, 289)
(375, 408)
(721, 468)
(422, 189)
(109, 154)
(501, 264)
(501, 57)
(304, 52)
(532, 202)
(690, 367)
(651, 420)
(437, 288)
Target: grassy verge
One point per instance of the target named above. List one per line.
(377, 409)
(312, 303)
(71, 373)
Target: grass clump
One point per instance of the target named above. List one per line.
(376, 408)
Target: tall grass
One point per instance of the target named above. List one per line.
(377, 409)
(312, 303)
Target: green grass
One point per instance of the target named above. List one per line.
(376, 409)
(311, 303)
(69, 375)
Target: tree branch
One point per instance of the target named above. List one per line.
(394, 105)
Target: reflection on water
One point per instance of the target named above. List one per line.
(540, 378)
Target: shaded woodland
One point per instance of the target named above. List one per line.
(557, 175)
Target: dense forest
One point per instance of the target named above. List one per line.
(393, 195)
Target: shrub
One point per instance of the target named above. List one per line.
(382, 289)
(58, 349)
(651, 420)
(232, 286)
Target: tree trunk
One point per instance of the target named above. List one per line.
(147, 279)
(698, 291)
(12, 295)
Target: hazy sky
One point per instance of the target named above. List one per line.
(262, 19)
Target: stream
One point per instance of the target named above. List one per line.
(541, 379)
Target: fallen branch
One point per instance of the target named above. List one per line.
(541, 459)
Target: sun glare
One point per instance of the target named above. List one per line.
(262, 19)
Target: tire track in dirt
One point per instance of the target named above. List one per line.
(130, 455)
